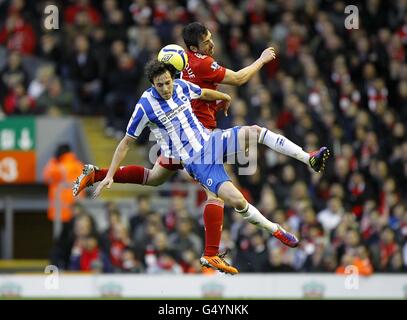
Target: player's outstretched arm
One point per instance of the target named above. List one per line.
(237, 78)
(119, 154)
(213, 95)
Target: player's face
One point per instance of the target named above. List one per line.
(164, 84)
(206, 46)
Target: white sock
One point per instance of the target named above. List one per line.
(254, 216)
(283, 145)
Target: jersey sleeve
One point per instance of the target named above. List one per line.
(194, 90)
(138, 122)
(191, 90)
(210, 70)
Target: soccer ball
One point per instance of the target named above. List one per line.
(175, 55)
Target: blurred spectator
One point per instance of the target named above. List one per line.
(73, 12)
(245, 249)
(121, 96)
(18, 34)
(84, 72)
(82, 225)
(12, 74)
(59, 173)
(88, 256)
(56, 100)
(276, 262)
(184, 238)
(146, 233)
(18, 102)
(386, 249)
(359, 260)
(130, 263)
(332, 215)
(49, 48)
(119, 240)
(138, 221)
(159, 257)
(38, 85)
(190, 262)
(396, 263)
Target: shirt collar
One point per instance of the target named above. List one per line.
(155, 94)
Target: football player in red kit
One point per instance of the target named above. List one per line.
(204, 71)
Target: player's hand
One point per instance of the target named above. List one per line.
(267, 55)
(106, 182)
(225, 104)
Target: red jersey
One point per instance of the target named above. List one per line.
(205, 72)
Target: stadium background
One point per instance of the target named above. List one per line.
(346, 89)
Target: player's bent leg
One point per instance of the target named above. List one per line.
(213, 222)
(316, 159)
(160, 173)
(125, 174)
(247, 136)
(232, 196)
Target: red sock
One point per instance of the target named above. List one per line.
(213, 221)
(127, 174)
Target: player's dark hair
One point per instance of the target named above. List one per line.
(193, 34)
(155, 68)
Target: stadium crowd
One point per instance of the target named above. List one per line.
(346, 89)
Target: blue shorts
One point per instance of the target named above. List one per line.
(207, 166)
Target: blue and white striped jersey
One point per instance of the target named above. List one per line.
(176, 128)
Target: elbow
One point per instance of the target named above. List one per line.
(206, 95)
(125, 144)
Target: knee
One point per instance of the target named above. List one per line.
(250, 132)
(255, 131)
(238, 202)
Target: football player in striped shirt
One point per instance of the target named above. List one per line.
(166, 109)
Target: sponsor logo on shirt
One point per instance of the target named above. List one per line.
(200, 56)
(215, 66)
(164, 118)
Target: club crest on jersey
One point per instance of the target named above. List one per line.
(215, 66)
(184, 98)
